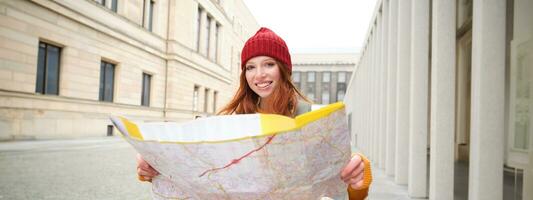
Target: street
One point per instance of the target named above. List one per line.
(93, 168)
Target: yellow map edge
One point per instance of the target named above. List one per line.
(270, 125)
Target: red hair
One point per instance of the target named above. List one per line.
(284, 97)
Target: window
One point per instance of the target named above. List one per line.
(310, 91)
(310, 77)
(101, 2)
(207, 26)
(206, 99)
(325, 97)
(107, 79)
(215, 94)
(48, 69)
(148, 10)
(114, 5)
(326, 76)
(144, 13)
(195, 98)
(340, 95)
(341, 90)
(214, 48)
(342, 77)
(151, 15)
(310, 88)
(311, 95)
(145, 98)
(110, 4)
(296, 77)
(341, 85)
(198, 28)
(207, 35)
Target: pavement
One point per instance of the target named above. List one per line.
(384, 188)
(92, 168)
(98, 168)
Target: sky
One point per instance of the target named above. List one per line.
(316, 26)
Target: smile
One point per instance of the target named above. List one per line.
(263, 85)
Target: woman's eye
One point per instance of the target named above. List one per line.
(249, 67)
(271, 64)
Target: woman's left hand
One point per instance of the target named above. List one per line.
(352, 173)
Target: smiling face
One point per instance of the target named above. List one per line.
(262, 75)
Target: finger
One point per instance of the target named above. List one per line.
(354, 172)
(152, 170)
(357, 185)
(147, 172)
(356, 160)
(139, 159)
(354, 181)
(358, 170)
(147, 168)
(143, 164)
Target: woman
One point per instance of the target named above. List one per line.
(266, 87)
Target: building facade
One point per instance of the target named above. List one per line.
(449, 84)
(66, 66)
(323, 78)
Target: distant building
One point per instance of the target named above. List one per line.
(66, 66)
(323, 78)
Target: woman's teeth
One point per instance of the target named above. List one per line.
(264, 84)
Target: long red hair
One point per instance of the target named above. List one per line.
(284, 97)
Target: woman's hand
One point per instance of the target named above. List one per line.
(144, 170)
(352, 173)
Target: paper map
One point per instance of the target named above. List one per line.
(252, 156)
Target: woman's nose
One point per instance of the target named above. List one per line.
(261, 71)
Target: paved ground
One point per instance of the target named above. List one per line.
(99, 168)
(384, 188)
(96, 168)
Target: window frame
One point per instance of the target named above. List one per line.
(104, 65)
(195, 98)
(206, 99)
(146, 94)
(42, 80)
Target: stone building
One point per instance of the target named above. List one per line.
(449, 84)
(322, 77)
(66, 66)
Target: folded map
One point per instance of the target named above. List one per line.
(248, 156)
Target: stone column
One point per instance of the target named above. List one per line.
(522, 31)
(390, 157)
(418, 128)
(376, 80)
(366, 102)
(361, 100)
(371, 91)
(402, 103)
(442, 110)
(384, 61)
(379, 96)
(528, 172)
(487, 115)
(368, 98)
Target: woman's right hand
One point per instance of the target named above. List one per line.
(145, 172)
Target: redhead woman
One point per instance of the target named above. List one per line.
(266, 87)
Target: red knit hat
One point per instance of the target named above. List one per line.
(266, 43)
